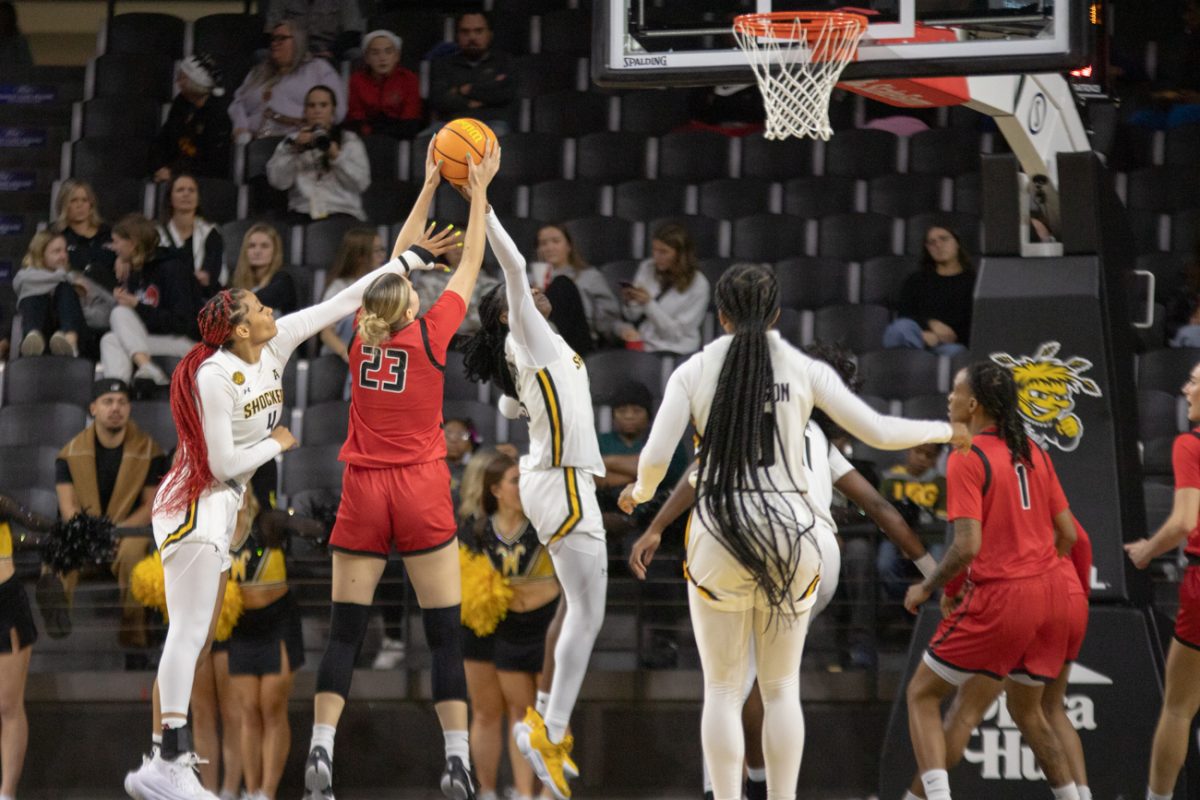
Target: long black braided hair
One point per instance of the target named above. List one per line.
(483, 353)
(843, 363)
(996, 391)
(740, 439)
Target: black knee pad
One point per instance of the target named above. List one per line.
(442, 632)
(347, 629)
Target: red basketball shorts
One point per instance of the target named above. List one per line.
(1187, 622)
(1077, 616)
(1003, 627)
(406, 507)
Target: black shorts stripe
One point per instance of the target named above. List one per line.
(187, 526)
(946, 663)
(553, 414)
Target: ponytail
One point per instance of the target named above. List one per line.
(996, 391)
(191, 475)
(383, 306)
(484, 358)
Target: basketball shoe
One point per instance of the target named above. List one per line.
(456, 780)
(547, 758)
(318, 775)
(521, 731)
(160, 779)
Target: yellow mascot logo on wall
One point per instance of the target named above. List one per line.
(1046, 390)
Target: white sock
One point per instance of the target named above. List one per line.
(156, 738)
(172, 723)
(1067, 791)
(937, 784)
(322, 736)
(486, 796)
(457, 744)
(910, 796)
(1084, 792)
(543, 700)
(758, 775)
(1152, 796)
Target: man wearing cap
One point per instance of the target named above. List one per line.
(385, 97)
(195, 138)
(112, 468)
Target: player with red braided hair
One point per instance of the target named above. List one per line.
(226, 398)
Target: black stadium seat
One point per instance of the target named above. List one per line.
(765, 158)
(383, 153)
(704, 231)
(120, 196)
(861, 153)
(28, 467)
(310, 468)
(567, 30)
(563, 199)
(904, 195)
(150, 76)
(609, 370)
(645, 199)
(883, 276)
(110, 157)
(768, 237)
(143, 33)
(1166, 370)
(812, 282)
(944, 151)
(693, 156)
(654, 111)
(602, 238)
(323, 239)
(820, 196)
(1158, 414)
(570, 113)
(858, 327)
(49, 379)
(325, 423)
(154, 417)
(41, 423)
(730, 198)
(609, 157)
(545, 73)
(855, 237)
(116, 115)
(530, 157)
(899, 374)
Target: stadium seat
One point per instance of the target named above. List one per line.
(1146, 227)
(135, 117)
(790, 326)
(816, 197)
(1169, 270)
(481, 415)
(609, 370)
(525, 8)
(968, 193)
(1163, 189)
(810, 282)
(857, 327)
(861, 153)
(925, 406)
(421, 29)
(883, 276)
(693, 156)
(855, 237)
(768, 237)
(899, 374)
(149, 76)
(307, 468)
(225, 36)
(387, 201)
(705, 232)
(524, 235)
(618, 272)
(776, 160)
(655, 111)
(1185, 231)
(570, 113)
(144, 33)
(545, 73)
(567, 30)
(154, 417)
(450, 206)
(259, 152)
(714, 268)
(218, 199)
(41, 423)
(323, 239)
(28, 467)
(563, 199)
(1156, 457)
(1160, 501)
(904, 195)
(325, 423)
(326, 379)
(965, 225)
(1154, 336)
(1158, 414)
(530, 157)
(110, 157)
(944, 151)
(730, 198)
(1183, 146)
(457, 387)
(602, 238)
(645, 199)
(609, 157)
(120, 196)
(49, 379)
(383, 154)
(1166, 370)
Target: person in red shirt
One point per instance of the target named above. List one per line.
(1011, 522)
(385, 98)
(1181, 698)
(396, 493)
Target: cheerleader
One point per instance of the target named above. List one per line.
(226, 399)
(18, 632)
(752, 562)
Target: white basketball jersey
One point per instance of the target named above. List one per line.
(557, 399)
(825, 466)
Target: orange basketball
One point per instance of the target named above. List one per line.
(457, 141)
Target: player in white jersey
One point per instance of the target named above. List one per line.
(751, 561)
(226, 398)
(544, 379)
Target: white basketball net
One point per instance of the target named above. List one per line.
(808, 54)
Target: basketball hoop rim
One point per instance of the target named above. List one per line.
(788, 25)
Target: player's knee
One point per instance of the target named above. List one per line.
(445, 643)
(347, 629)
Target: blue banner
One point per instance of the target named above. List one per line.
(27, 94)
(11, 224)
(17, 180)
(23, 137)
(6, 271)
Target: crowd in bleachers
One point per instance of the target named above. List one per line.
(291, 149)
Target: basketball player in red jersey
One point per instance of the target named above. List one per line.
(1011, 522)
(396, 492)
(1181, 697)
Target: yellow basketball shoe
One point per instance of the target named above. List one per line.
(546, 758)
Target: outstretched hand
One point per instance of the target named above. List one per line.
(481, 174)
(438, 242)
(433, 166)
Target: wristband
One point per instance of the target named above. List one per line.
(927, 564)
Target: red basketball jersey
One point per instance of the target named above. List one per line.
(396, 391)
(1081, 558)
(1015, 503)
(1185, 459)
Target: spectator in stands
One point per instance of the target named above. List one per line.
(157, 298)
(195, 138)
(189, 237)
(362, 250)
(918, 490)
(112, 469)
(558, 258)
(14, 47)
(270, 102)
(323, 167)
(88, 238)
(333, 25)
(47, 299)
(385, 98)
(620, 448)
(935, 302)
(668, 298)
(1183, 310)
(478, 80)
(260, 270)
(430, 284)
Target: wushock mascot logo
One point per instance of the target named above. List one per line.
(1046, 390)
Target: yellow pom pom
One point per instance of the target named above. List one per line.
(485, 593)
(231, 611)
(147, 585)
